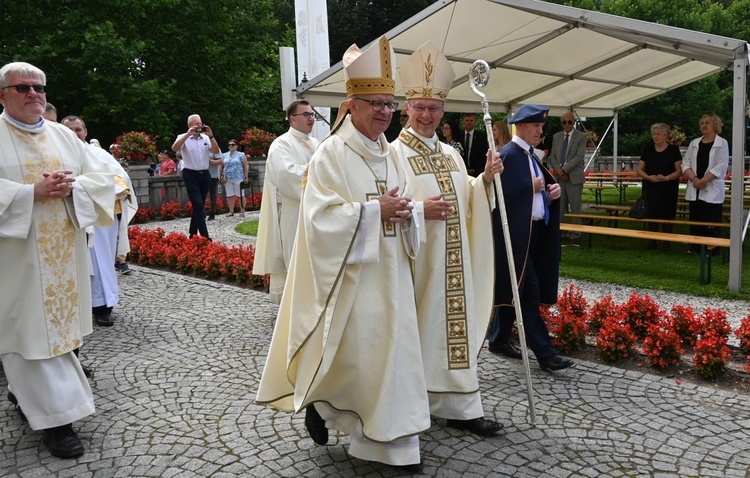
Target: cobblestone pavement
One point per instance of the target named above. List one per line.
(176, 376)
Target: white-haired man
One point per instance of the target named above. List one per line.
(50, 189)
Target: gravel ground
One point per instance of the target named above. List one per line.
(222, 229)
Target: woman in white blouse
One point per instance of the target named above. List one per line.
(705, 166)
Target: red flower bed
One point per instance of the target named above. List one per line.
(663, 345)
(568, 325)
(640, 313)
(197, 256)
(170, 210)
(144, 214)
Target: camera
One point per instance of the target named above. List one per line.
(200, 129)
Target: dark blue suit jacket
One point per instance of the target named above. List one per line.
(518, 192)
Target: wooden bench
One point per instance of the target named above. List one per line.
(612, 220)
(706, 243)
(623, 210)
(620, 180)
(597, 189)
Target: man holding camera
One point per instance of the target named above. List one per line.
(196, 146)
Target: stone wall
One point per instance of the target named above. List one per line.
(153, 190)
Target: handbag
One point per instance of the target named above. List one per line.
(222, 179)
(639, 210)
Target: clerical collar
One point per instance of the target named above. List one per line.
(373, 145)
(431, 142)
(31, 128)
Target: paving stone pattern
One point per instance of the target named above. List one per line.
(176, 376)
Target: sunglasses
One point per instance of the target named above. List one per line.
(567, 122)
(26, 88)
(232, 144)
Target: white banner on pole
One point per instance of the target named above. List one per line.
(313, 56)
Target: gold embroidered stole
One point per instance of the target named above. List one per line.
(440, 166)
(55, 237)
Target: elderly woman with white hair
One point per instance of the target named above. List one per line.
(705, 166)
(660, 169)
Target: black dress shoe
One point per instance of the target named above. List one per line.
(63, 442)
(555, 362)
(105, 320)
(315, 425)
(481, 426)
(413, 468)
(87, 371)
(506, 348)
(12, 398)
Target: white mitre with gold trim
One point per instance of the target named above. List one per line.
(370, 72)
(427, 73)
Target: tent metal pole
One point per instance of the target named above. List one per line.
(738, 165)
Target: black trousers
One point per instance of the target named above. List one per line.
(537, 335)
(197, 184)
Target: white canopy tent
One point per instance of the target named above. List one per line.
(617, 62)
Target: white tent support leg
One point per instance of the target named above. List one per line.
(738, 166)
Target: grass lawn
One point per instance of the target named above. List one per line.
(249, 228)
(626, 261)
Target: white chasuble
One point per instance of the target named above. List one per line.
(45, 291)
(454, 271)
(346, 333)
(279, 210)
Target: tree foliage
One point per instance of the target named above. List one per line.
(684, 106)
(148, 64)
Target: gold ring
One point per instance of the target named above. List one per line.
(442, 213)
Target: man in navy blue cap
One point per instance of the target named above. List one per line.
(533, 213)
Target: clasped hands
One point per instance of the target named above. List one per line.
(553, 190)
(395, 208)
(56, 184)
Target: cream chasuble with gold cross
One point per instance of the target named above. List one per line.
(454, 271)
(346, 333)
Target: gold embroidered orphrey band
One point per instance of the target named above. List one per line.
(440, 166)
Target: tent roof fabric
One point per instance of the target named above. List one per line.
(561, 57)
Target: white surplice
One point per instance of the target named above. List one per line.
(287, 162)
(346, 333)
(453, 273)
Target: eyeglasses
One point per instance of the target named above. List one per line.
(232, 144)
(23, 89)
(567, 122)
(432, 109)
(380, 105)
(306, 114)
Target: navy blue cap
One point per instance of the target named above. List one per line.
(530, 114)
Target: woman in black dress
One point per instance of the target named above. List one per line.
(660, 167)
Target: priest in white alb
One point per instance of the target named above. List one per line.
(453, 273)
(282, 189)
(51, 188)
(345, 346)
